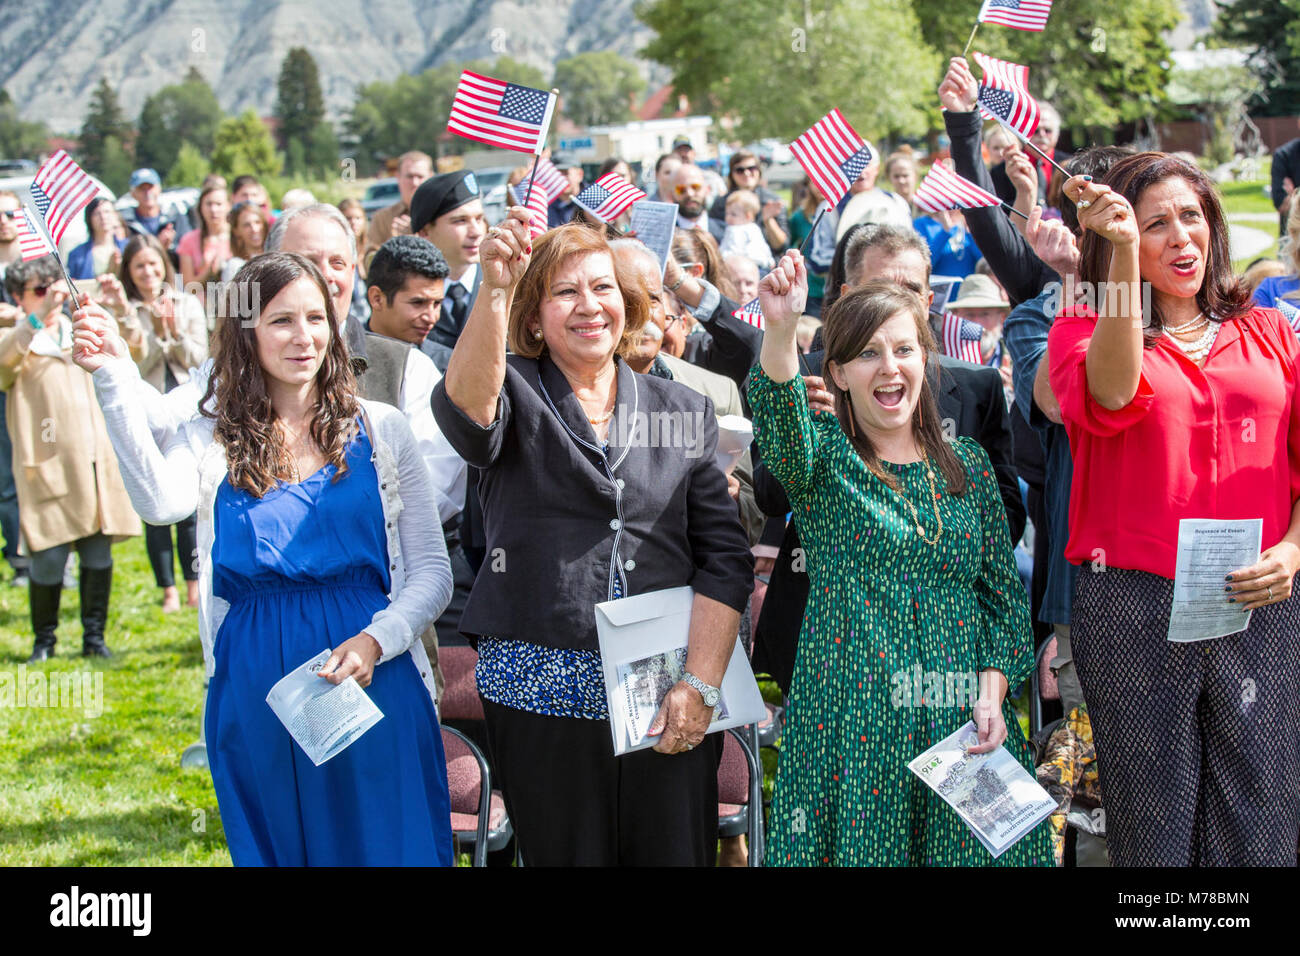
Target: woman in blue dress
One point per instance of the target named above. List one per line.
(311, 504)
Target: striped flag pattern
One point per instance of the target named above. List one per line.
(944, 189)
(549, 179)
(961, 338)
(751, 313)
(608, 196)
(60, 190)
(1017, 14)
(538, 201)
(1289, 312)
(832, 154)
(1004, 95)
(501, 114)
(32, 242)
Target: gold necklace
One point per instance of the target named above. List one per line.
(934, 503)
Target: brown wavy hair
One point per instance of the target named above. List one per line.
(848, 327)
(1222, 295)
(246, 422)
(134, 246)
(550, 252)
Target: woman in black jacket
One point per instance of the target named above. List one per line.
(597, 483)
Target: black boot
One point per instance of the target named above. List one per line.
(45, 618)
(96, 583)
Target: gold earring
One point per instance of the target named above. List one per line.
(537, 334)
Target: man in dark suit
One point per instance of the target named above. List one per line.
(691, 193)
(448, 212)
(970, 400)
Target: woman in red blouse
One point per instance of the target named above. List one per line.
(1191, 414)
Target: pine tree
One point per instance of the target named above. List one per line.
(1270, 31)
(185, 112)
(105, 121)
(244, 145)
(299, 105)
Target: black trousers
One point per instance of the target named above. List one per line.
(158, 542)
(573, 803)
(1198, 744)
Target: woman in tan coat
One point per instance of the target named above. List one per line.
(69, 488)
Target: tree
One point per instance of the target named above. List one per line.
(299, 106)
(190, 168)
(243, 145)
(104, 121)
(597, 88)
(867, 58)
(19, 138)
(1270, 31)
(116, 165)
(1101, 63)
(185, 112)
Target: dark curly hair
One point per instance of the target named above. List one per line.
(246, 422)
(401, 257)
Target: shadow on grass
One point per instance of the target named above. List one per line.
(122, 838)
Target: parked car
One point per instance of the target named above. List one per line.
(492, 187)
(380, 194)
(76, 232)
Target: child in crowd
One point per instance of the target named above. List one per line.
(743, 234)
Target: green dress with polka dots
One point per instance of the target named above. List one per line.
(895, 633)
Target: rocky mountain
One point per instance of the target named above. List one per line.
(53, 52)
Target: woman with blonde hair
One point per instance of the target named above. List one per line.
(588, 510)
(1283, 292)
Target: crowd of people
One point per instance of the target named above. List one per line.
(382, 435)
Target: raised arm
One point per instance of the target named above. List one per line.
(1115, 353)
(477, 369)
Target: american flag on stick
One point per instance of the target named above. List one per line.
(548, 179)
(1004, 95)
(1289, 312)
(60, 190)
(501, 114)
(961, 338)
(538, 201)
(1017, 14)
(751, 313)
(33, 243)
(608, 196)
(944, 189)
(832, 154)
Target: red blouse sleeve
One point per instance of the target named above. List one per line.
(1067, 350)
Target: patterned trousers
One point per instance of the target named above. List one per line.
(1198, 744)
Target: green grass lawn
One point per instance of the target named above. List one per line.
(108, 789)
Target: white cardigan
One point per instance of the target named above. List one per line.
(168, 485)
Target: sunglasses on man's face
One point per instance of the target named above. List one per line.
(9, 213)
(689, 187)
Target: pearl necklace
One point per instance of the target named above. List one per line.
(1196, 323)
(1197, 350)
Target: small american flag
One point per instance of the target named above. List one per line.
(1004, 95)
(538, 201)
(751, 313)
(944, 189)
(60, 190)
(1289, 312)
(961, 338)
(32, 240)
(832, 154)
(501, 114)
(1017, 14)
(608, 196)
(548, 179)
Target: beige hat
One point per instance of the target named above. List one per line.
(978, 292)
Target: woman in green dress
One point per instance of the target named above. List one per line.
(916, 621)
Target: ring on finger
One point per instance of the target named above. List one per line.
(1083, 203)
(1270, 594)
